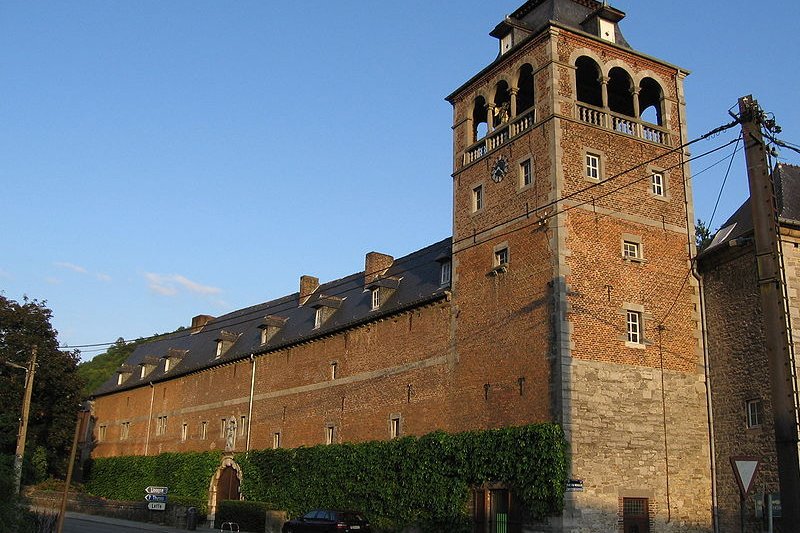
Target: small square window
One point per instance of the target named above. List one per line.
(501, 257)
(477, 198)
(592, 166)
(525, 173)
(631, 250)
(754, 413)
(394, 427)
(446, 272)
(657, 183)
(376, 299)
(634, 327)
(329, 434)
(276, 440)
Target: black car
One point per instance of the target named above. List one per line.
(328, 521)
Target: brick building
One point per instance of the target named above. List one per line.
(564, 295)
(739, 375)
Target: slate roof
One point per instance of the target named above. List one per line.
(740, 224)
(419, 283)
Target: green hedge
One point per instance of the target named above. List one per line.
(423, 481)
(250, 516)
(125, 478)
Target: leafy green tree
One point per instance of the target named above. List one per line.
(702, 235)
(95, 372)
(56, 387)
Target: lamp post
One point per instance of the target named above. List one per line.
(23, 420)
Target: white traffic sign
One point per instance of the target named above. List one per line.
(156, 490)
(745, 469)
(156, 506)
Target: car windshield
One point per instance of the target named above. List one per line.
(351, 517)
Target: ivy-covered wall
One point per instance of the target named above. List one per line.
(423, 481)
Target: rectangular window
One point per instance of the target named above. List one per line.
(222, 424)
(334, 368)
(636, 515)
(242, 425)
(657, 180)
(754, 413)
(634, 327)
(161, 425)
(166, 364)
(101, 433)
(501, 257)
(394, 427)
(593, 166)
(219, 348)
(143, 372)
(329, 430)
(446, 272)
(525, 173)
(264, 336)
(318, 317)
(376, 298)
(631, 250)
(477, 198)
(276, 440)
(124, 431)
(184, 431)
(203, 430)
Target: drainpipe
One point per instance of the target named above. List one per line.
(250, 409)
(149, 417)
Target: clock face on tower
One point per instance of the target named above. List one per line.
(499, 169)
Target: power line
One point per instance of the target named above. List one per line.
(276, 308)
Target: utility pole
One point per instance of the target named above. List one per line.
(23, 420)
(782, 371)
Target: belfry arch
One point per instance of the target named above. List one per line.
(225, 485)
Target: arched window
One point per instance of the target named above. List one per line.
(620, 92)
(502, 104)
(587, 82)
(525, 98)
(479, 123)
(650, 98)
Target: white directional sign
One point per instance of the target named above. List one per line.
(156, 490)
(745, 470)
(156, 506)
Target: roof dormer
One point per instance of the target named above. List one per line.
(270, 326)
(173, 358)
(147, 365)
(603, 23)
(224, 341)
(123, 373)
(325, 307)
(381, 289)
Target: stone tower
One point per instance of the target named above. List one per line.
(572, 280)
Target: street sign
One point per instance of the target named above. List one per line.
(156, 506)
(575, 485)
(156, 490)
(745, 469)
(156, 497)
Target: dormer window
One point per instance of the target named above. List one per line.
(147, 365)
(121, 378)
(607, 31)
(446, 272)
(376, 298)
(270, 326)
(144, 372)
(319, 317)
(166, 364)
(173, 357)
(506, 42)
(224, 341)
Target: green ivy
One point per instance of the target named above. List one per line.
(422, 481)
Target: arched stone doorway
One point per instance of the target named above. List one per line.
(224, 485)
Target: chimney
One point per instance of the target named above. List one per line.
(308, 284)
(199, 322)
(375, 265)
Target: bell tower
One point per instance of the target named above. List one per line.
(572, 239)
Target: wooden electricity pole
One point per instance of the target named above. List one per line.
(782, 370)
(23, 421)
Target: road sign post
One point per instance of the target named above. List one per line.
(156, 498)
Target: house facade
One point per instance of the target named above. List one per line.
(739, 370)
(563, 295)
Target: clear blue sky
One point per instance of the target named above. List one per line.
(163, 159)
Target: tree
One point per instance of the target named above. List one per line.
(702, 235)
(103, 366)
(56, 387)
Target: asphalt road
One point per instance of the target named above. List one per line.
(80, 523)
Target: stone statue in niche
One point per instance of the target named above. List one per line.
(230, 435)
